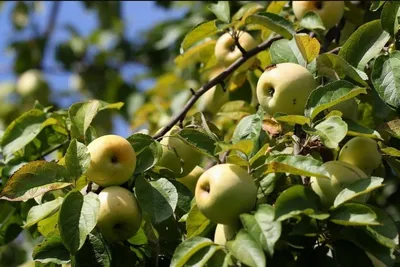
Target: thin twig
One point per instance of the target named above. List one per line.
(51, 24)
(218, 79)
(334, 50)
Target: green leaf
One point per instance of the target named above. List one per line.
(389, 17)
(386, 233)
(77, 159)
(236, 109)
(297, 200)
(22, 131)
(375, 5)
(94, 252)
(283, 51)
(262, 227)
(199, 53)
(299, 165)
(293, 119)
(355, 129)
(51, 249)
(148, 151)
(358, 188)
(10, 228)
(201, 257)
(364, 44)
(196, 222)
(353, 214)
(200, 32)
(247, 250)
(199, 140)
(333, 66)
(331, 131)
(386, 79)
(158, 198)
(39, 212)
(274, 22)
(187, 249)
(81, 115)
(34, 179)
(246, 10)
(221, 10)
(78, 217)
(329, 95)
(312, 21)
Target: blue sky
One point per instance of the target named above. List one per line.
(138, 16)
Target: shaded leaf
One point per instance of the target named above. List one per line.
(353, 214)
(77, 159)
(196, 222)
(51, 249)
(187, 249)
(39, 212)
(273, 22)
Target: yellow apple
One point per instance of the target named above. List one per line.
(225, 191)
(30, 82)
(341, 175)
(348, 108)
(189, 155)
(112, 160)
(330, 12)
(285, 88)
(225, 232)
(120, 215)
(191, 179)
(361, 152)
(226, 52)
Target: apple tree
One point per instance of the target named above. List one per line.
(269, 138)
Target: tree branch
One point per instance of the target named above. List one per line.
(51, 24)
(217, 80)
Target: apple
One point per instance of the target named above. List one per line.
(224, 191)
(341, 175)
(330, 12)
(361, 152)
(348, 108)
(112, 160)
(225, 232)
(285, 88)
(120, 215)
(30, 82)
(191, 179)
(226, 52)
(169, 159)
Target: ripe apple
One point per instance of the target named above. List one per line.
(227, 52)
(120, 215)
(225, 191)
(285, 88)
(191, 179)
(225, 232)
(348, 108)
(361, 152)
(341, 175)
(112, 160)
(190, 156)
(330, 12)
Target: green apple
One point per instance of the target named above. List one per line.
(226, 52)
(225, 191)
(341, 175)
(120, 214)
(330, 12)
(361, 152)
(172, 143)
(112, 160)
(191, 179)
(285, 88)
(225, 232)
(32, 84)
(348, 108)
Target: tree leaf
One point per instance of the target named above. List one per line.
(355, 129)
(199, 53)
(94, 252)
(77, 159)
(331, 131)
(200, 32)
(364, 44)
(39, 212)
(353, 214)
(389, 17)
(297, 200)
(284, 50)
(358, 188)
(78, 217)
(375, 5)
(308, 46)
(294, 119)
(201, 257)
(274, 22)
(196, 222)
(247, 250)
(329, 95)
(158, 198)
(34, 179)
(333, 66)
(386, 79)
(262, 227)
(148, 151)
(187, 249)
(51, 249)
(199, 140)
(221, 10)
(312, 21)
(22, 131)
